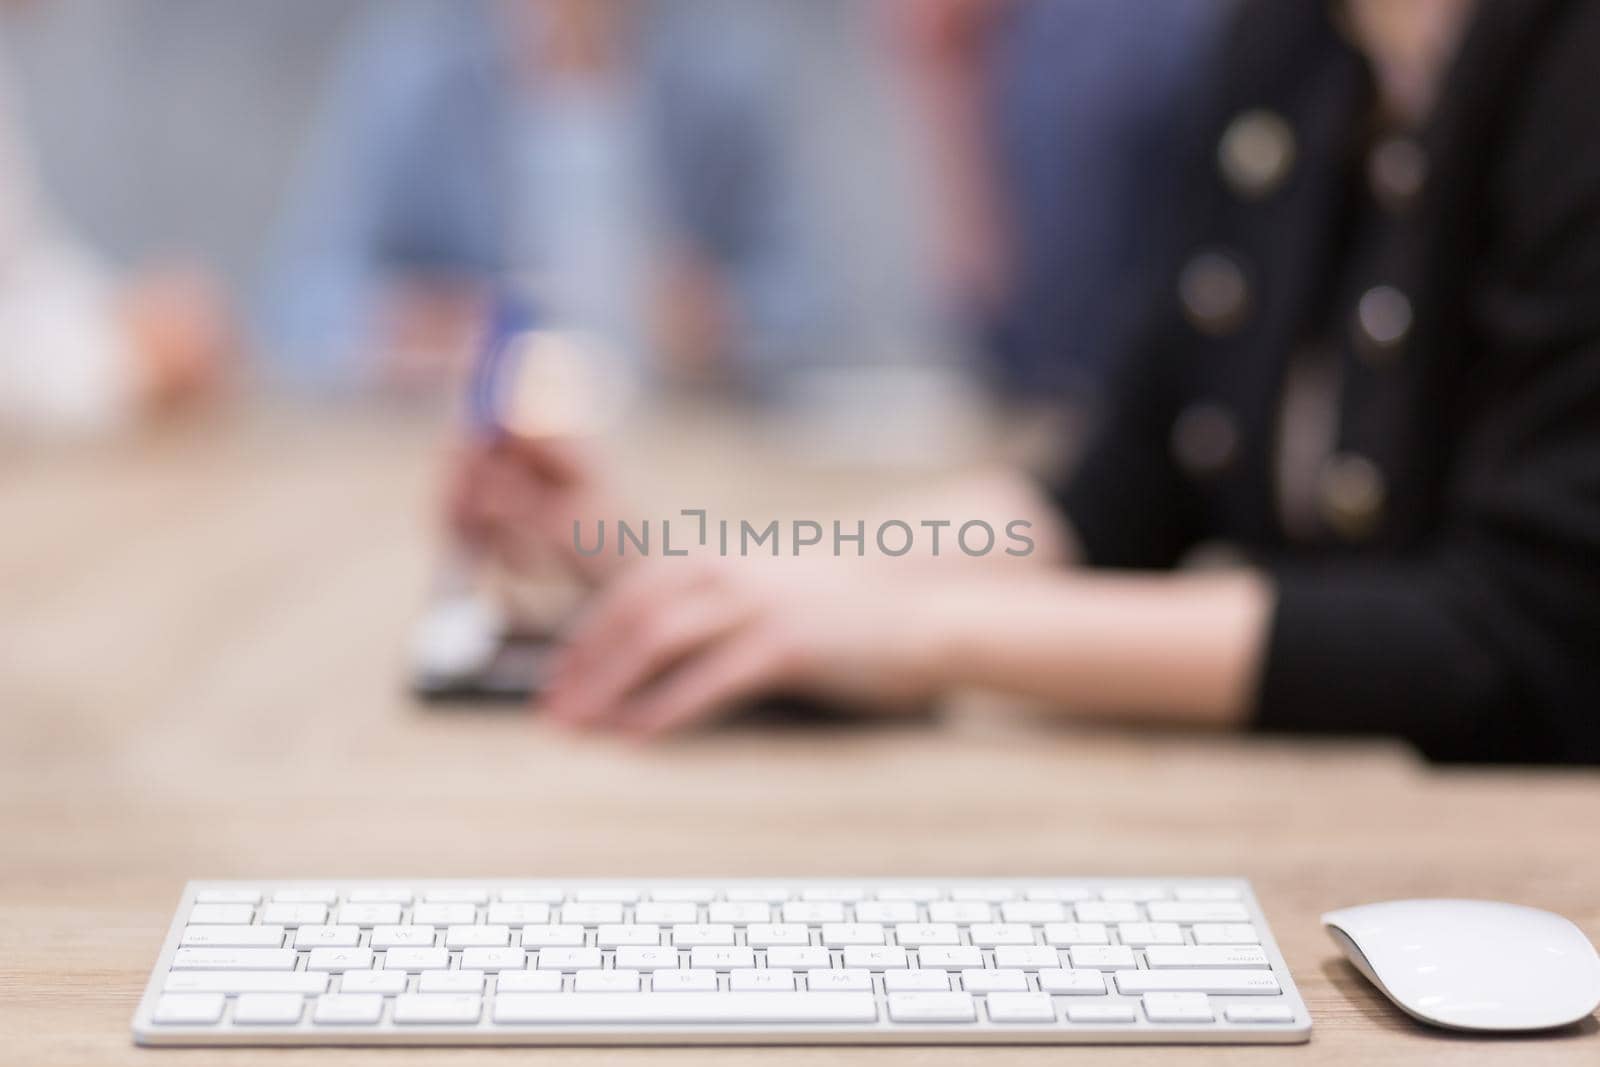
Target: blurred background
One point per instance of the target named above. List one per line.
(872, 221)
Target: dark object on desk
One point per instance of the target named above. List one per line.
(513, 674)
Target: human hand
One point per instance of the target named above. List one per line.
(675, 642)
(517, 499)
(181, 334)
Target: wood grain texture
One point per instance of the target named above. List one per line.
(201, 641)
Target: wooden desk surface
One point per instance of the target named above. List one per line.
(200, 658)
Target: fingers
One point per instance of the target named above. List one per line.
(646, 610)
(671, 644)
(629, 665)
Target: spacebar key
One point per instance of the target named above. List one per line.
(685, 1008)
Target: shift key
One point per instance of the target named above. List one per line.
(233, 959)
(1198, 980)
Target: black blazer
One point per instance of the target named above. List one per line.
(1443, 579)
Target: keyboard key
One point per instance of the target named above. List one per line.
(799, 957)
(443, 914)
(1259, 983)
(769, 893)
(1207, 893)
(268, 1009)
(1021, 1008)
(506, 913)
(960, 912)
(456, 896)
(988, 935)
(1198, 911)
(402, 936)
(993, 894)
(932, 1008)
(1225, 934)
(434, 1008)
(189, 1009)
(477, 937)
(289, 914)
(949, 957)
(1028, 957)
(1101, 957)
(417, 958)
(623, 981)
(690, 894)
(813, 912)
(1139, 893)
(918, 981)
(647, 957)
(764, 935)
(1239, 956)
(875, 957)
(533, 895)
(1076, 934)
(493, 959)
(1073, 983)
(1099, 1013)
(1059, 893)
(245, 982)
(691, 935)
(1259, 1013)
(1107, 911)
(1177, 1008)
(844, 894)
(553, 936)
(915, 935)
(686, 1007)
(667, 912)
(1033, 911)
(528, 982)
(770, 980)
(591, 913)
(393, 894)
(993, 980)
(1140, 934)
(843, 980)
(684, 981)
(569, 959)
(615, 935)
(303, 895)
(233, 959)
(327, 937)
(450, 982)
(606, 895)
(339, 959)
(739, 912)
(228, 896)
(721, 957)
(233, 936)
(348, 1009)
(221, 913)
(389, 982)
(886, 911)
(916, 894)
(838, 935)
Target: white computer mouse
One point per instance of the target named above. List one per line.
(1472, 964)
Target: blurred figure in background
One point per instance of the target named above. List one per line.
(1055, 130)
(712, 188)
(80, 349)
(1093, 106)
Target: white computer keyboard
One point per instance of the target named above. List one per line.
(719, 961)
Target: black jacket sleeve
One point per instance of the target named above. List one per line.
(1487, 646)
